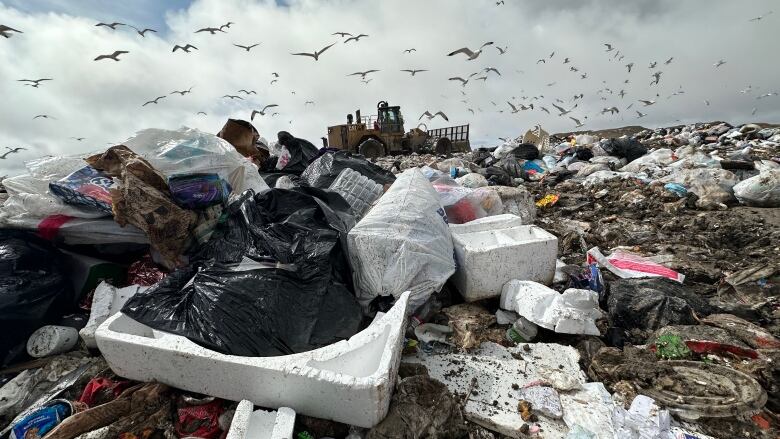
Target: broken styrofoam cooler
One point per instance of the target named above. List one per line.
(494, 250)
(350, 381)
(260, 424)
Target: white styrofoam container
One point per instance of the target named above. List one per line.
(493, 250)
(350, 381)
(261, 424)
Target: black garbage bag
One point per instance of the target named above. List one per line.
(653, 303)
(271, 178)
(525, 151)
(497, 176)
(34, 290)
(272, 280)
(323, 171)
(583, 153)
(512, 167)
(629, 148)
(300, 152)
(481, 157)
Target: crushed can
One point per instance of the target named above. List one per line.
(42, 420)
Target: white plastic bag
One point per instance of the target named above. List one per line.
(472, 180)
(402, 244)
(762, 190)
(189, 151)
(656, 159)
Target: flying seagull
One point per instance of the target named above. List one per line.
(362, 74)
(640, 114)
(11, 151)
(6, 31)
(552, 54)
(233, 97)
(482, 78)
(114, 56)
(34, 82)
(668, 61)
(184, 48)
(261, 112)
(541, 61)
(611, 110)
(183, 92)
(577, 121)
(544, 109)
(629, 106)
(211, 30)
(410, 50)
(308, 102)
(760, 16)
(111, 25)
(629, 66)
(492, 69)
(342, 34)
(622, 93)
(551, 84)
(201, 112)
(754, 111)
(706, 102)
(315, 55)
(247, 48)
(514, 109)
(657, 76)
(563, 111)
(153, 101)
(767, 95)
(584, 76)
(472, 111)
(276, 75)
(647, 103)
(78, 139)
(573, 69)
(274, 114)
(469, 53)
(273, 81)
(227, 25)
(719, 63)
(247, 92)
(45, 116)
(502, 50)
(609, 47)
(431, 116)
(653, 64)
(143, 32)
(356, 38)
(458, 78)
(366, 81)
(413, 72)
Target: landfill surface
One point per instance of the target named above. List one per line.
(634, 285)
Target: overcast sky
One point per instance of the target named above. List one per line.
(102, 100)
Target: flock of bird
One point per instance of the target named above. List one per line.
(514, 105)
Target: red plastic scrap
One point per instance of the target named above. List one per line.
(99, 390)
(200, 421)
(144, 272)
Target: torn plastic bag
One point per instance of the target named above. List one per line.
(403, 243)
(653, 303)
(322, 172)
(463, 204)
(762, 190)
(34, 290)
(188, 150)
(296, 153)
(272, 280)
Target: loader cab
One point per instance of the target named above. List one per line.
(390, 119)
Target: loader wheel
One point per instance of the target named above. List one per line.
(443, 146)
(371, 148)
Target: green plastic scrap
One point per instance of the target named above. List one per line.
(671, 347)
(304, 435)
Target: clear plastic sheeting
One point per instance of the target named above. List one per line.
(190, 151)
(402, 244)
(762, 190)
(359, 191)
(463, 204)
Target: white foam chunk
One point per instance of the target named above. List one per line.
(350, 381)
(493, 250)
(261, 424)
(107, 300)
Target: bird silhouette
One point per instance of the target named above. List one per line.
(584, 76)
(356, 38)
(629, 66)
(576, 121)
(544, 109)
(261, 112)
(472, 55)
(501, 50)
(315, 55)
(233, 97)
(482, 78)
(143, 32)
(646, 102)
(366, 81)
(492, 69)
(611, 110)
(183, 92)
(342, 34)
(668, 61)
(34, 82)
(274, 81)
(226, 25)
(566, 60)
(653, 64)
(114, 56)
(247, 92)
(6, 31)
(211, 30)
(760, 16)
(247, 48)
(276, 75)
(11, 151)
(201, 112)
(413, 72)
(44, 116)
(362, 74)
(431, 116)
(542, 60)
(78, 139)
(184, 48)
(111, 25)
(719, 63)
(609, 47)
(309, 102)
(458, 78)
(274, 114)
(573, 69)
(552, 54)
(153, 101)
(640, 114)
(410, 50)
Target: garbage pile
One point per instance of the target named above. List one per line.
(187, 285)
